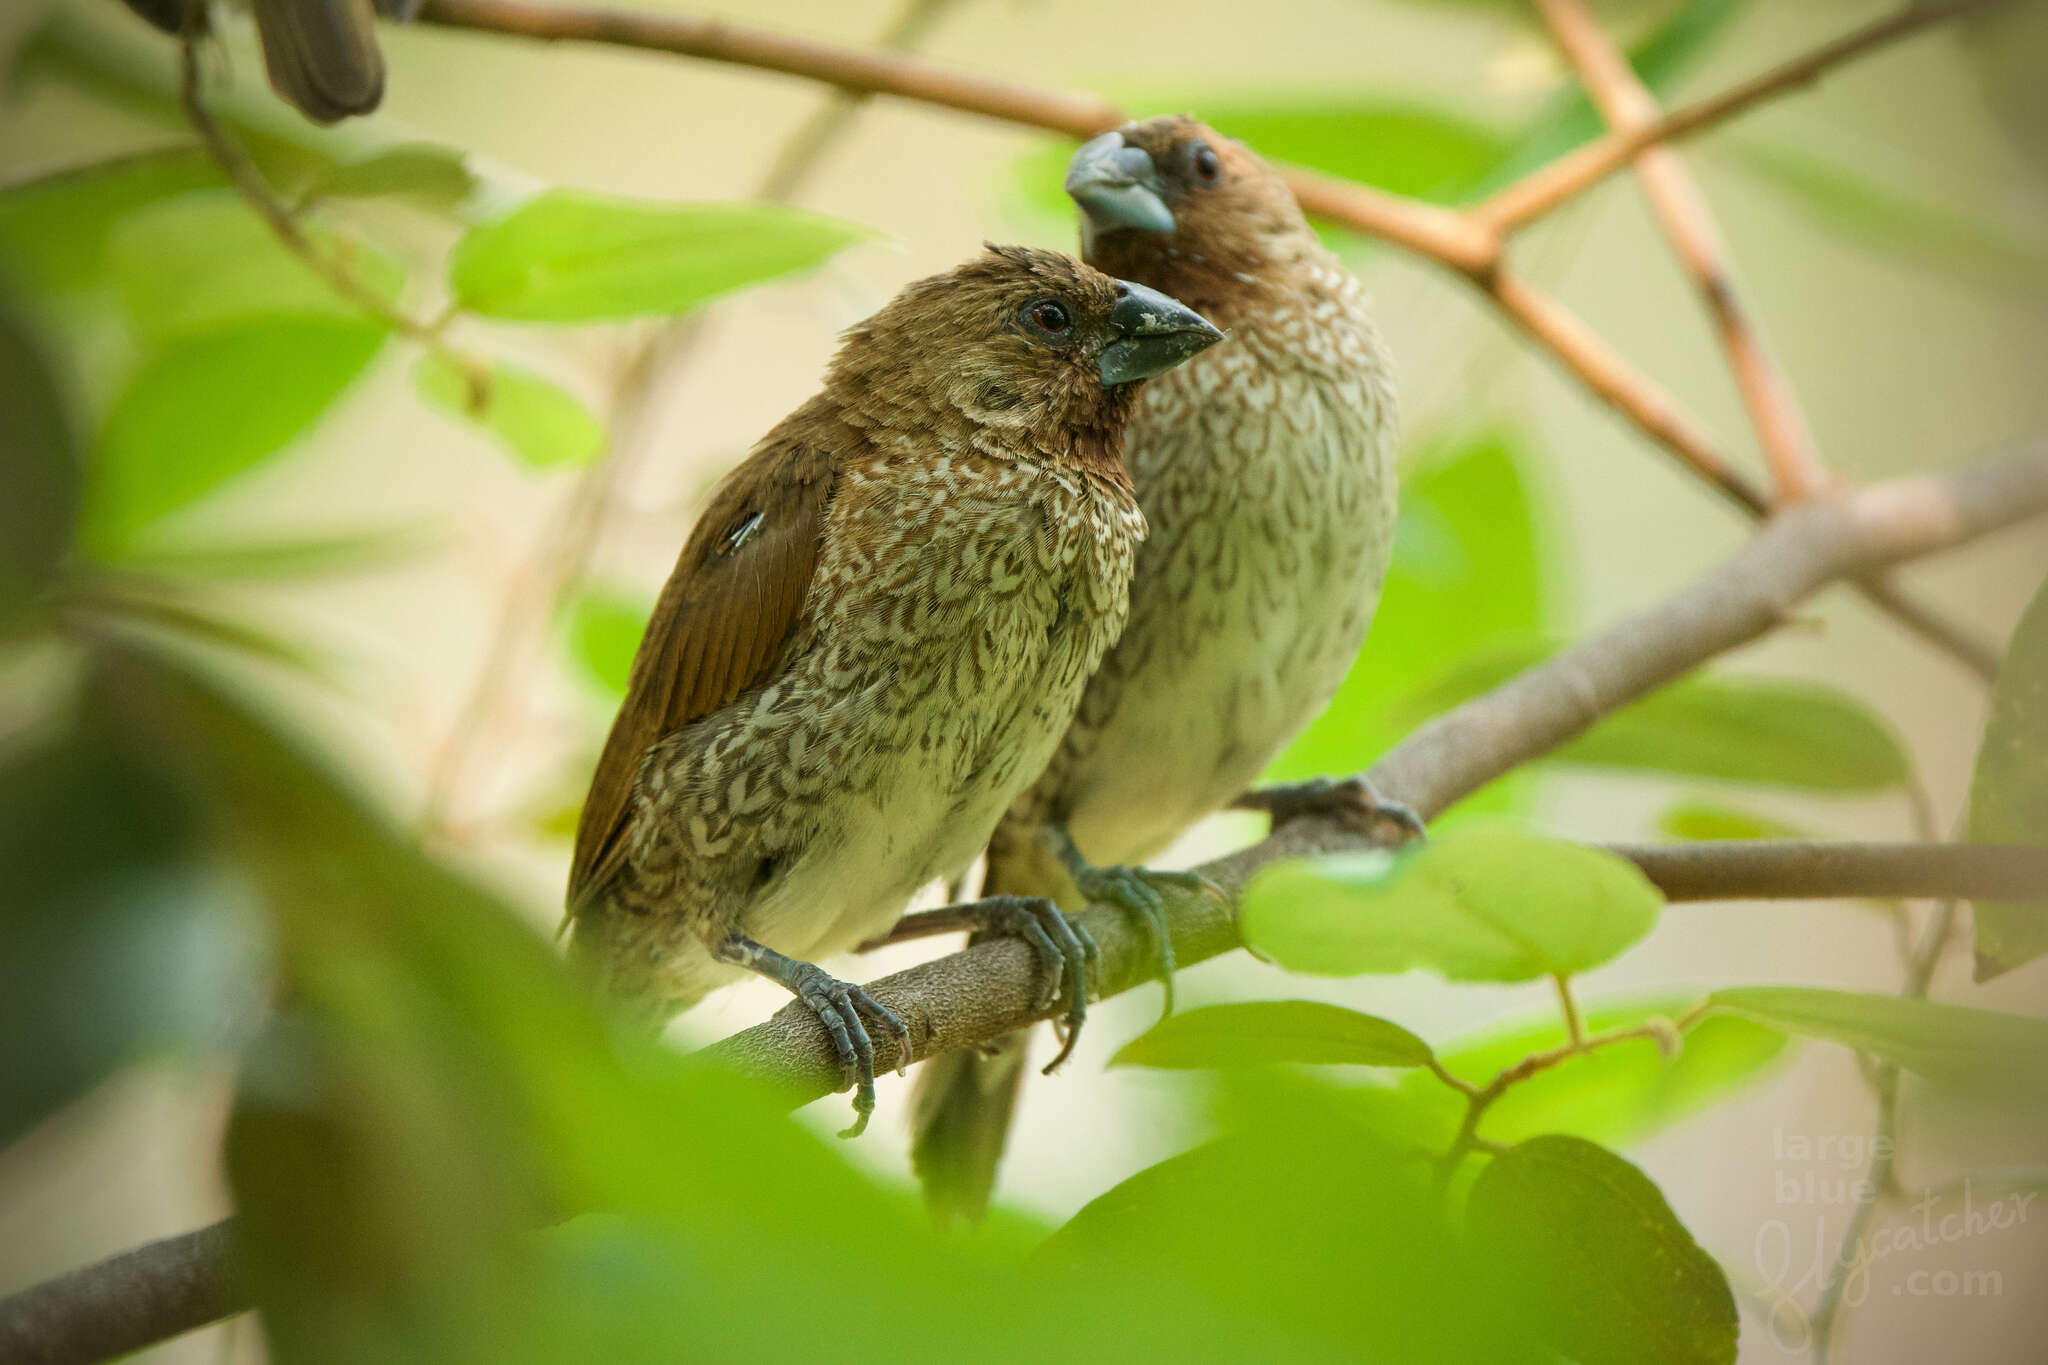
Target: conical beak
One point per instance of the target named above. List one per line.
(1154, 334)
(1117, 186)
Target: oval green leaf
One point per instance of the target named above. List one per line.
(1587, 1248)
(568, 256)
(2009, 790)
(544, 426)
(1481, 903)
(1265, 1032)
(2003, 1054)
(211, 408)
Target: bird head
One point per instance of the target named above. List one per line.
(1172, 202)
(1032, 348)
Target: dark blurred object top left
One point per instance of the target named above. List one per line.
(321, 55)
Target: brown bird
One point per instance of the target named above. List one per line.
(1265, 470)
(872, 642)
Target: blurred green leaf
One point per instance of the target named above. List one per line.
(1621, 1094)
(604, 635)
(54, 230)
(1769, 731)
(1888, 217)
(1265, 1032)
(164, 607)
(569, 256)
(542, 425)
(1585, 1245)
(1480, 903)
(2006, 1054)
(1708, 820)
(123, 938)
(419, 171)
(200, 413)
(2009, 790)
(39, 474)
(272, 560)
(1472, 567)
(204, 262)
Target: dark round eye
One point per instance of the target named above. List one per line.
(1048, 315)
(1207, 168)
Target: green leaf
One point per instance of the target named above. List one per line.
(272, 560)
(1484, 902)
(1707, 820)
(2009, 790)
(573, 257)
(543, 426)
(204, 262)
(1769, 731)
(54, 230)
(419, 171)
(604, 635)
(2005, 1054)
(204, 411)
(39, 474)
(1587, 1247)
(1472, 568)
(1620, 1094)
(1265, 1032)
(123, 939)
(1880, 213)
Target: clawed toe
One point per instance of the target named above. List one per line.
(1349, 799)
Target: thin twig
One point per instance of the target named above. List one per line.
(1544, 189)
(1627, 105)
(1792, 869)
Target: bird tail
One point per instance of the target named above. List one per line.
(960, 1122)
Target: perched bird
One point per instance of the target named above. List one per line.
(1265, 470)
(872, 642)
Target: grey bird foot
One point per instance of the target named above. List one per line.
(839, 1006)
(1348, 799)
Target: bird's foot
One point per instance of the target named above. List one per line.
(1350, 800)
(1066, 953)
(839, 1006)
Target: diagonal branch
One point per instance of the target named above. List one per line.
(979, 994)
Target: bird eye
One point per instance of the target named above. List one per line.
(1208, 168)
(1048, 316)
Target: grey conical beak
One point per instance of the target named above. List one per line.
(1154, 334)
(1117, 186)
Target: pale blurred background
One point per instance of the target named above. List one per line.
(1899, 367)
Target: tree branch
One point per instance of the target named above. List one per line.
(1627, 105)
(1791, 869)
(1544, 189)
(985, 991)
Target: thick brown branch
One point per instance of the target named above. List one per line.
(1543, 189)
(125, 1302)
(1769, 869)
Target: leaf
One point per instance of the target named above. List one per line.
(543, 426)
(204, 262)
(2006, 1054)
(568, 256)
(2009, 789)
(1705, 820)
(204, 411)
(123, 939)
(54, 230)
(1880, 213)
(1622, 1093)
(1472, 567)
(1587, 1247)
(271, 560)
(39, 474)
(604, 635)
(1265, 1032)
(1773, 732)
(1484, 902)
(419, 171)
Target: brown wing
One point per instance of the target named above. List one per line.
(720, 624)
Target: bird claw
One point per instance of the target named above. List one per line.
(1349, 800)
(1066, 953)
(1135, 890)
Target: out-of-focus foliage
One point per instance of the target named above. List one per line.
(1480, 903)
(1774, 732)
(1606, 1272)
(1697, 819)
(39, 474)
(2004, 1054)
(2009, 793)
(604, 633)
(542, 425)
(1269, 1032)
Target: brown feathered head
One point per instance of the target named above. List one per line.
(1172, 202)
(1033, 350)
